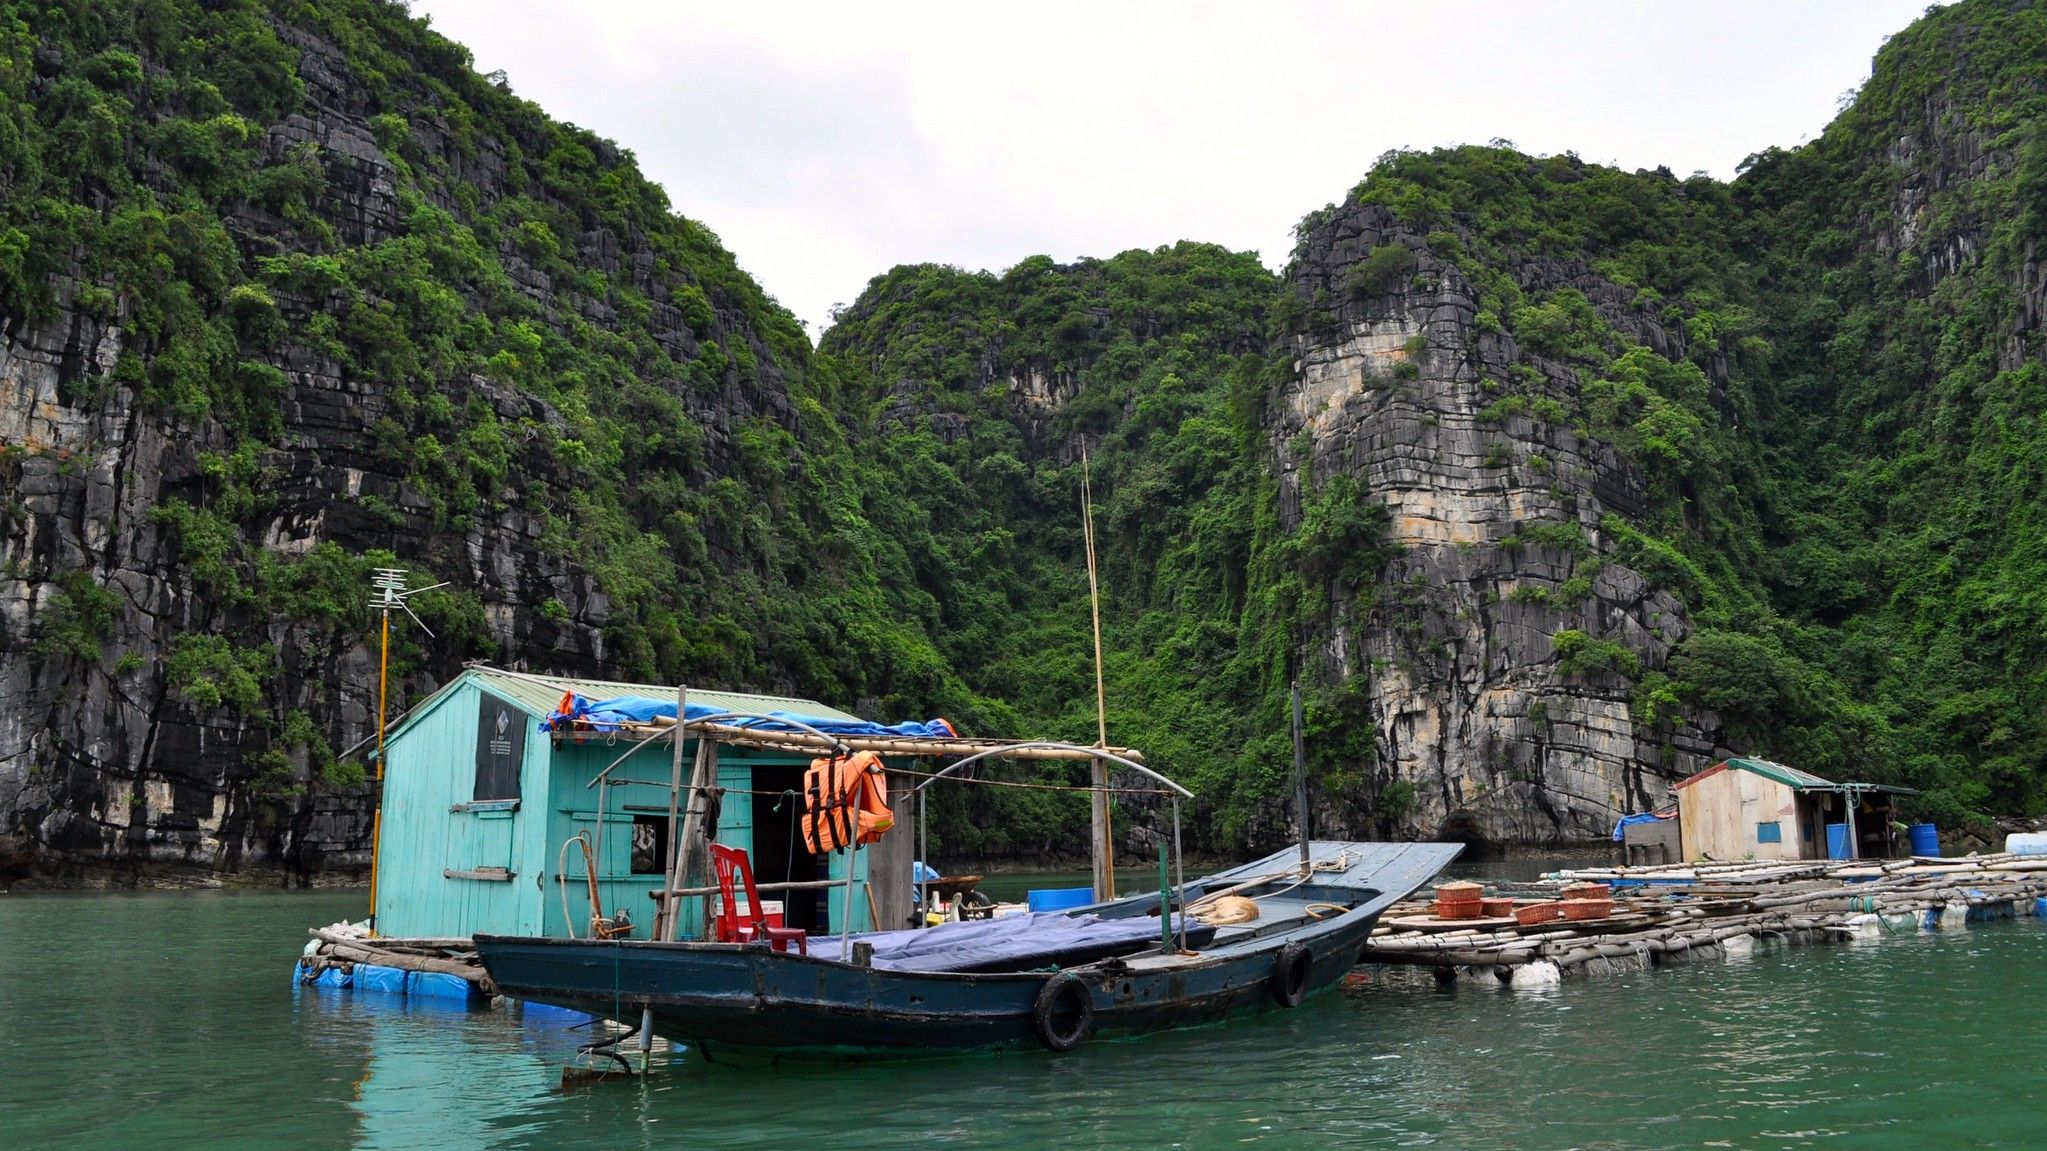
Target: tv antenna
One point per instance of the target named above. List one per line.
(387, 591)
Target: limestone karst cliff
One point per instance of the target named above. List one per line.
(1496, 506)
(319, 297)
(1547, 482)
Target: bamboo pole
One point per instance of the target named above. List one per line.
(667, 911)
(686, 851)
(421, 943)
(405, 961)
(904, 745)
(797, 885)
(1300, 777)
(1104, 852)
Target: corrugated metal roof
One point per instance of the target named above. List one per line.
(1793, 778)
(1788, 776)
(540, 693)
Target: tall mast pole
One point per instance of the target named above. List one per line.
(1104, 853)
(1300, 778)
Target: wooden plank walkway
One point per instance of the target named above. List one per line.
(1677, 913)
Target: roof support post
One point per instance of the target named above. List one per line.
(1104, 852)
(669, 901)
(689, 852)
(1300, 779)
(1851, 796)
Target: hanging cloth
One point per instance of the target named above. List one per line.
(845, 803)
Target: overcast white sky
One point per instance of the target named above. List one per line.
(826, 143)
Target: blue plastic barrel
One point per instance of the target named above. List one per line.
(1925, 839)
(1837, 841)
(1059, 898)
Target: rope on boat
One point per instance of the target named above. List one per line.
(561, 882)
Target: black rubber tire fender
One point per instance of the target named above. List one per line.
(1290, 974)
(1064, 993)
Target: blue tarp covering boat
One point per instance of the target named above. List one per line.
(582, 713)
(1010, 942)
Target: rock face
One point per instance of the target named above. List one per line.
(328, 300)
(107, 770)
(1495, 517)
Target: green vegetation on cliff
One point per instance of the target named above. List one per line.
(321, 246)
(1846, 456)
(982, 389)
(535, 330)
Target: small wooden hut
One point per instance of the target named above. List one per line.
(1754, 809)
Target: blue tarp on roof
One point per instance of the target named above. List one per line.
(1012, 942)
(1627, 821)
(583, 713)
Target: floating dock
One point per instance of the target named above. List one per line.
(1674, 914)
(1661, 916)
(440, 968)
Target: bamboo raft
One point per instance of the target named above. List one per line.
(1662, 916)
(1679, 913)
(343, 951)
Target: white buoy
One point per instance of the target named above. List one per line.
(1541, 973)
(1739, 946)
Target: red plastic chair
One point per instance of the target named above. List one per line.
(752, 926)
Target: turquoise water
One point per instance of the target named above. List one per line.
(168, 1021)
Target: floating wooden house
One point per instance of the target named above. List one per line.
(481, 809)
(1755, 809)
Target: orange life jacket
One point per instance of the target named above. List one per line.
(845, 803)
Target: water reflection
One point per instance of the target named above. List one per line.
(438, 1073)
(111, 1035)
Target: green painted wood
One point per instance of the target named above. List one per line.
(431, 771)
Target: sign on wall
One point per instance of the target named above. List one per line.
(500, 747)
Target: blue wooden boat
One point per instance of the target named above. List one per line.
(1099, 976)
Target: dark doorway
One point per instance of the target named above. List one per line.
(650, 845)
(778, 854)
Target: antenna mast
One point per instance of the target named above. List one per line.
(387, 591)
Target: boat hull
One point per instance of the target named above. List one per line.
(721, 996)
(723, 999)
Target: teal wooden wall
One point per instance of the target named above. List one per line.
(432, 773)
(573, 808)
(432, 769)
